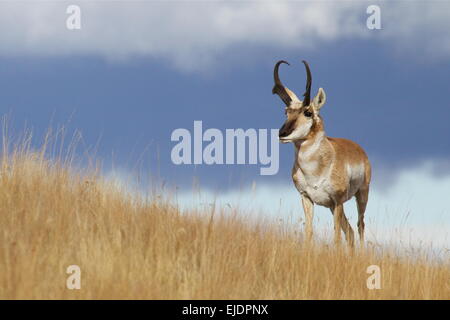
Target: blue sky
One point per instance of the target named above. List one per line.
(135, 72)
(396, 107)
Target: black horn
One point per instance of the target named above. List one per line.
(279, 88)
(307, 94)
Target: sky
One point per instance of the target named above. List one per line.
(136, 71)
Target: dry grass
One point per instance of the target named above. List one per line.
(52, 217)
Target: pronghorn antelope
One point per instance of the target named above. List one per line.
(327, 171)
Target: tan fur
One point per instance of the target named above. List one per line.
(327, 171)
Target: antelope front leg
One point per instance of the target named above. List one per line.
(308, 208)
(341, 222)
(337, 216)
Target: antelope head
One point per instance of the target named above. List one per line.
(302, 116)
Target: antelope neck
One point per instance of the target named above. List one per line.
(313, 140)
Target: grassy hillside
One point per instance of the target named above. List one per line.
(52, 216)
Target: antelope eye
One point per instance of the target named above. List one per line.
(307, 114)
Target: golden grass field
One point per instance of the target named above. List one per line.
(53, 215)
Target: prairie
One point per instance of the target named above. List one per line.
(54, 214)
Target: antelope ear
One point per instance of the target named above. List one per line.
(320, 99)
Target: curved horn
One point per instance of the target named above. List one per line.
(307, 93)
(279, 88)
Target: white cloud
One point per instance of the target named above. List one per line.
(419, 27)
(193, 34)
(413, 210)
